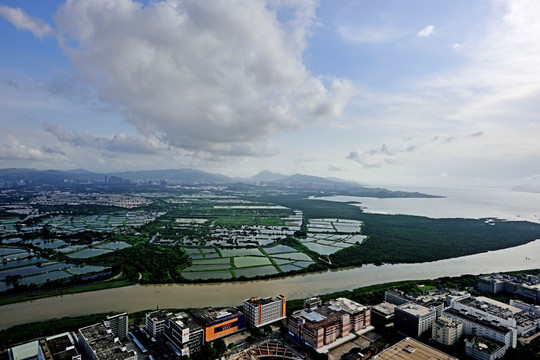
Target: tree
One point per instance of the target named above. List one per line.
(220, 346)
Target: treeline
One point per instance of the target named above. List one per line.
(411, 239)
(156, 264)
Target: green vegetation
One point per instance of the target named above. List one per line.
(167, 239)
(411, 239)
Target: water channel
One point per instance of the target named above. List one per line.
(141, 297)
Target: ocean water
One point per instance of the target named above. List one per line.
(457, 203)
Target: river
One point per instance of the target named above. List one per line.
(141, 297)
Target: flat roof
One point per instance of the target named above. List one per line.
(410, 349)
(102, 343)
(263, 301)
(384, 308)
(347, 305)
(24, 351)
(209, 316)
(415, 309)
(492, 326)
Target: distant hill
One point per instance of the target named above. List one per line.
(51, 177)
(268, 179)
(181, 175)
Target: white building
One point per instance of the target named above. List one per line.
(446, 331)
(477, 326)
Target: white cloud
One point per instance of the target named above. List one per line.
(427, 31)
(218, 77)
(457, 46)
(15, 151)
(22, 21)
(116, 143)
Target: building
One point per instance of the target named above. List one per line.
(413, 320)
(489, 309)
(526, 286)
(477, 326)
(321, 328)
(382, 314)
(360, 315)
(155, 322)
(484, 349)
(219, 323)
(313, 301)
(59, 347)
(396, 297)
(263, 311)
(184, 333)
(98, 343)
(410, 349)
(119, 325)
(445, 331)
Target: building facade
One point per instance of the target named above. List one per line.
(445, 331)
(319, 327)
(263, 311)
(480, 327)
(219, 323)
(119, 325)
(184, 333)
(360, 315)
(413, 320)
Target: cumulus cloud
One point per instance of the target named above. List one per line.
(218, 77)
(427, 31)
(22, 21)
(13, 150)
(116, 143)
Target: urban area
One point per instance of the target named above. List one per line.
(438, 324)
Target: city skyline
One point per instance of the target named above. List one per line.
(416, 93)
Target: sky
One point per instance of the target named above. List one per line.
(404, 93)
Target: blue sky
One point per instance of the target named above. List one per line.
(416, 93)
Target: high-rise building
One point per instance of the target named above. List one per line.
(263, 311)
(413, 320)
(119, 324)
(155, 322)
(184, 333)
(446, 331)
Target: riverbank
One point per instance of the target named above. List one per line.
(139, 297)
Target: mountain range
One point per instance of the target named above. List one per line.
(25, 176)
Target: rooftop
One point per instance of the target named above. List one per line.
(102, 343)
(410, 349)
(263, 301)
(209, 316)
(415, 309)
(319, 316)
(384, 308)
(348, 305)
(493, 326)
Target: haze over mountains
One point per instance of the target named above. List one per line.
(17, 177)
